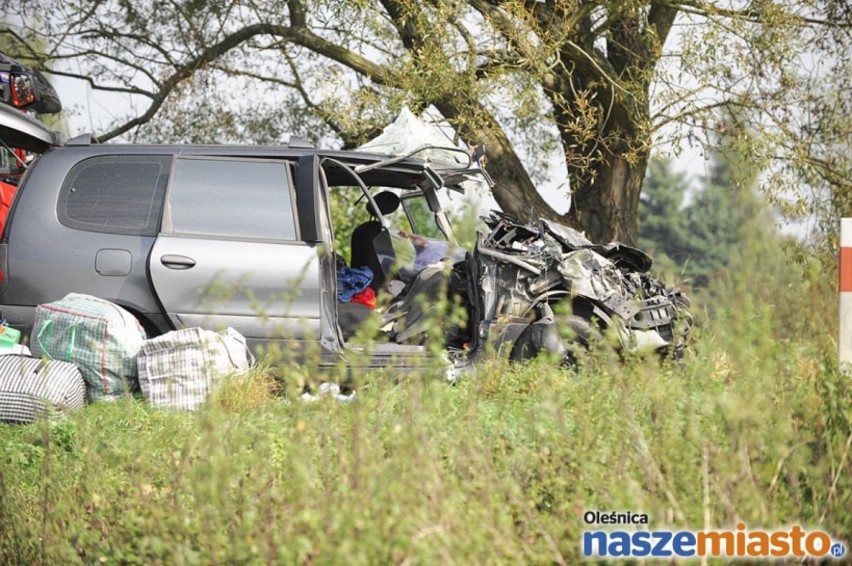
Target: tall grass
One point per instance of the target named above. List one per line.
(498, 468)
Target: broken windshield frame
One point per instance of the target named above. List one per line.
(449, 177)
(427, 190)
(398, 158)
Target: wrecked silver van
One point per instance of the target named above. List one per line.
(241, 236)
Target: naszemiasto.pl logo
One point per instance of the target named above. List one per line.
(740, 542)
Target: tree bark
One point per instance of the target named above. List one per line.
(514, 190)
(608, 208)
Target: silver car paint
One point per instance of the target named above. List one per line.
(262, 289)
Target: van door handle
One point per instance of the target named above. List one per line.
(173, 261)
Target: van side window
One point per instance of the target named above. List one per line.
(232, 198)
(116, 194)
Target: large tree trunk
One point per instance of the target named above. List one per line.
(606, 154)
(514, 190)
(608, 208)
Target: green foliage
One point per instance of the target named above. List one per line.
(499, 468)
(588, 86)
(696, 236)
(347, 212)
(422, 219)
(664, 230)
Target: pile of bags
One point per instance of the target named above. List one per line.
(86, 348)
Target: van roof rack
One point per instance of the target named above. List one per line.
(299, 143)
(82, 139)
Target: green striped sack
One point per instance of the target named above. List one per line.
(99, 337)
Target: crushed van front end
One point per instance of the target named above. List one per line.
(545, 287)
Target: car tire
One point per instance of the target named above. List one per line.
(583, 337)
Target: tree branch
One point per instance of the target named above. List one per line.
(298, 18)
(693, 111)
(751, 14)
(33, 53)
(185, 71)
(508, 29)
(404, 18)
(111, 57)
(296, 35)
(105, 88)
(115, 36)
(661, 18)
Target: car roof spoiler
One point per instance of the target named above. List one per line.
(21, 131)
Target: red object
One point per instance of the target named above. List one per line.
(845, 270)
(7, 193)
(366, 297)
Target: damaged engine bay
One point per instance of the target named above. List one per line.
(525, 271)
(529, 289)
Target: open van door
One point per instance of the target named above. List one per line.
(19, 134)
(21, 131)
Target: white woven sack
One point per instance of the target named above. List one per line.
(180, 369)
(30, 387)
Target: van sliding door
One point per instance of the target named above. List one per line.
(230, 253)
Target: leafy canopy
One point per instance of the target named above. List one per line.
(588, 85)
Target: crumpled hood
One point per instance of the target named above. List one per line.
(525, 267)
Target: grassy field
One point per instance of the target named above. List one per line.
(498, 468)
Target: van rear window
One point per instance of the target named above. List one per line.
(116, 194)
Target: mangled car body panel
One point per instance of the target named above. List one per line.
(525, 269)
